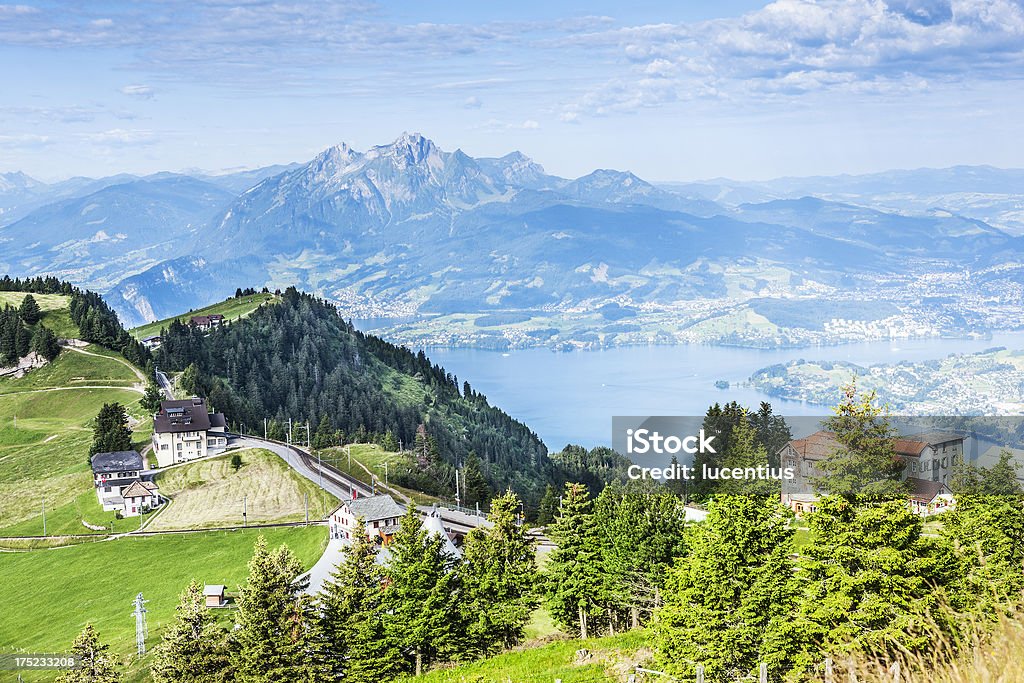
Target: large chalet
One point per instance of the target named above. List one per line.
(184, 430)
(929, 459)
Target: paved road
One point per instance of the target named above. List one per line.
(334, 483)
(165, 385)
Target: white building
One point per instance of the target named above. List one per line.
(184, 430)
(119, 485)
(380, 515)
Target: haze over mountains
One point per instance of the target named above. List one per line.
(409, 229)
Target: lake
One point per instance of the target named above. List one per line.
(571, 397)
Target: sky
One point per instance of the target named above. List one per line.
(674, 90)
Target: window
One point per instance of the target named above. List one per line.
(935, 464)
(913, 467)
(945, 462)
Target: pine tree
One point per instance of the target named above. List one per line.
(870, 577)
(743, 451)
(475, 484)
(194, 648)
(728, 602)
(352, 616)
(548, 507)
(22, 341)
(152, 398)
(642, 530)
(575, 576)
(272, 633)
(189, 379)
(421, 595)
(94, 662)
(110, 430)
(500, 579)
(324, 437)
(29, 310)
(45, 343)
(865, 466)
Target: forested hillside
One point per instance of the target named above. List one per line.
(299, 359)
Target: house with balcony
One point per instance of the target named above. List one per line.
(119, 483)
(185, 430)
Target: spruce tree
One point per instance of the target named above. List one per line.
(29, 310)
(22, 341)
(729, 601)
(420, 599)
(548, 507)
(110, 430)
(865, 465)
(352, 616)
(478, 491)
(152, 398)
(94, 662)
(45, 343)
(500, 579)
(575, 577)
(272, 634)
(193, 648)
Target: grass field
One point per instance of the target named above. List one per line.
(44, 442)
(612, 659)
(373, 458)
(231, 309)
(54, 308)
(209, 493)
(49, 595)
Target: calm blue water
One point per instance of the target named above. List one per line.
(571, 397)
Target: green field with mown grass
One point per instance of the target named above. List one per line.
(231, 309)
(54, 308)
(45, 431)
(373, 458)
(50, 595)
(210, 493)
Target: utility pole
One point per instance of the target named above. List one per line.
(385, 473)
(458, 499)
(245, 509)
(141, 630)
(289, 431)
(307, 435)
(264, 429)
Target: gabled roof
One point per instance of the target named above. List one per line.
(373, 508)
(188, 415)
(817, 446)
(213, 589)
(117, 461)
(925, 490)
(136, 490)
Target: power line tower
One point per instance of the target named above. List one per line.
(141, 629)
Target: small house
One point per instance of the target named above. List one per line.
(207, 322)
(140, 497)
(118, 474)
(153, 341)
(380, 515)
(214, 595)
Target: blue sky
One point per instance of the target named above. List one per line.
(670, 90)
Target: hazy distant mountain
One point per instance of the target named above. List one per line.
(116, 231)
(410, 228)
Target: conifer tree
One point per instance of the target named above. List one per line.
(22, 341)
(870, 577)
(95, 664)
(865, 466)
(273, 630)
(193, 649)
(744, 451)
(152, 398)
(421, 595)
(352, 614)
(574, 573)
(110, 431)
(728, 602)
(548, 507)
(478, 491)
(45, 343)
(29, 310)
(500, 579)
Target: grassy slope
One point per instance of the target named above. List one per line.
(613, 658)
(51, 594)
(373, 457)
(231, 309)
(46, 454)
(209, 493)
(54, 308)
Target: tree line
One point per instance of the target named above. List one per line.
(21, 333)
(299, 359)
(96, 321)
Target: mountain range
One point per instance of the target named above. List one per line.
(410, 229)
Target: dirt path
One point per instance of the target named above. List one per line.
(135, 370)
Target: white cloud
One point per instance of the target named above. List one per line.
(472, 102)
(143, 92)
